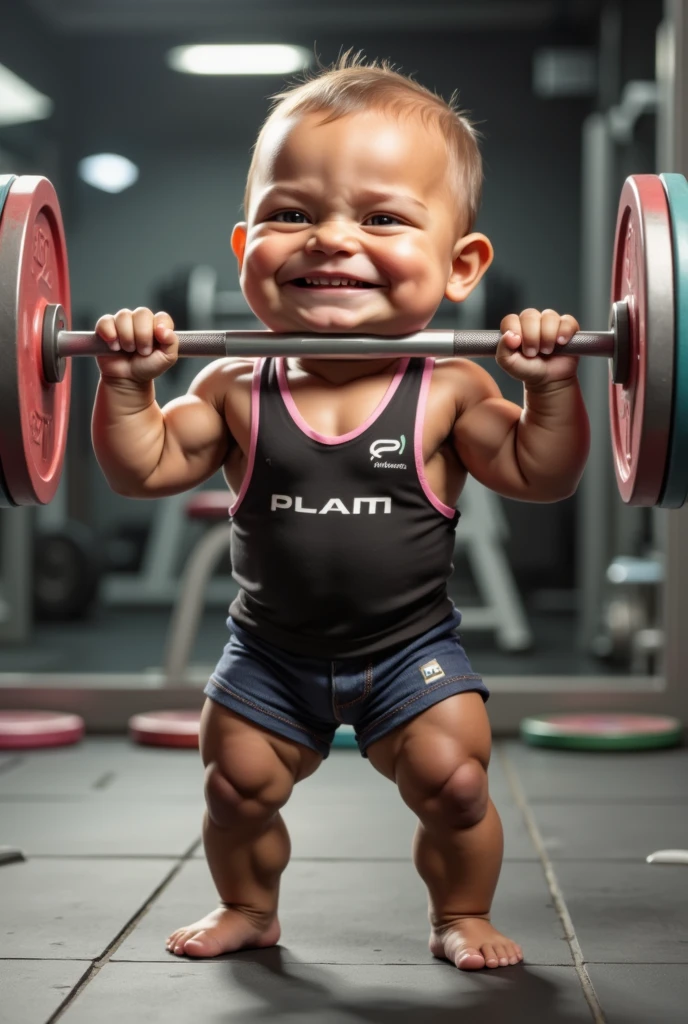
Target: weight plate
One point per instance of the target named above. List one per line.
(642, 275)
(33, 273)
(166, 728)
(5, 185)
(602, 731)
(27, 730)
(675, 491)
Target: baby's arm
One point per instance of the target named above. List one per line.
(534, 453)
(143, 450)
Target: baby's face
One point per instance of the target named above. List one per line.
(354, 226)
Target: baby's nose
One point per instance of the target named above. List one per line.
(332, 237)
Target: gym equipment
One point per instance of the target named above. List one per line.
(606, 731)
(34, 363)
(676, 485)
(166, 728)
(28, 730)
(66, 572)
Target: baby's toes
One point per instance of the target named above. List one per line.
(490, 954)
(515, 953)
(502, 955)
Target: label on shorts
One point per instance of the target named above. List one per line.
(431, 671)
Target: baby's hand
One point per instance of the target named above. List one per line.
(532, 336)
(145, 343)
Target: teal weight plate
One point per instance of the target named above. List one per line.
(606, 731)
(675, 488)
(5, 186)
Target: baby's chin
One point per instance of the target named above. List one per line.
(338, 324)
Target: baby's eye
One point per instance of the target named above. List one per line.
(290, 217)
(382, 220)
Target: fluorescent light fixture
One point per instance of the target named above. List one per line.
(108, 172)
(19, 101)
(249, 59)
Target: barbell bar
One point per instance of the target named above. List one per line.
(644, 345)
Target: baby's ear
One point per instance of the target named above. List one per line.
(472, 255)
(239, 242)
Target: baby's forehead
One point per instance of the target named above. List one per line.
(398, 142)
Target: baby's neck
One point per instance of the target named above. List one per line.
(341, 371)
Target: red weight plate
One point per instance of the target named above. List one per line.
(33, 273)
(166, 728)
(642, 274)
(26, 730)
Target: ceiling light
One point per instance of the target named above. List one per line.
(19, 101)
(108, 172)
(268, 59)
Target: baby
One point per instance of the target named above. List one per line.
(360, 201)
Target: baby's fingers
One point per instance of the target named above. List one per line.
(107, 330)
(568, 326)
(511, 331)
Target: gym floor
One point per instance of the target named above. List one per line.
(110, 832)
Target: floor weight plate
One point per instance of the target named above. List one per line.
(602, 731)
(675, 490)
(166, 728)
(28, 730)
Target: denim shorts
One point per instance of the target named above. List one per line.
(307, 699)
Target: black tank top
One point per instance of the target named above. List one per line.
(339, 546)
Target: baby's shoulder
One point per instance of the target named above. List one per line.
(224, 378)
(464, 381)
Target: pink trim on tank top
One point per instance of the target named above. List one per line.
(255, 414)
(340, 438)
(418, 442)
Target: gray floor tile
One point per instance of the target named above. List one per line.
(32, 990)
(610, 831)
(628, 913)
(578, 775)
(101, 827)
(275, 988)
(73, 909)
(641, 993)
(357, 912)
(368, 827)
(105, 766)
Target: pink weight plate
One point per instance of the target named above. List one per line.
(26, 730)
(166, 728)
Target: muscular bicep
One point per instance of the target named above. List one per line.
(484, 436)
(197, 438)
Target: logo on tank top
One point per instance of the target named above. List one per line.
(387, 444)
(432, 670)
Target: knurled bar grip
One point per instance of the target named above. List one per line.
(267, 343)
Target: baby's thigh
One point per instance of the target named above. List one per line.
(449, 740)
(245, 762)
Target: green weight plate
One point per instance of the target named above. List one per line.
(675, 490)
(5, 186)
(606, 731)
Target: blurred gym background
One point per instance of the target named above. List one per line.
(568, 95)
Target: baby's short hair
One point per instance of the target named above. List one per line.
(351, 85)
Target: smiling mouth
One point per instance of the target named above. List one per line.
(333, 282)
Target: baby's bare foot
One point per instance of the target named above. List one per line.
(472, 943)
(222, 931)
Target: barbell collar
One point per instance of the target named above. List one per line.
(267, 343)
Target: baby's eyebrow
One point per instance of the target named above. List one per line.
(366, 195)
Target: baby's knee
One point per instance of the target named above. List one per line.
(462, 800)
(234, 796)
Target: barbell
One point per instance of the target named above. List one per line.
(646, 344)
